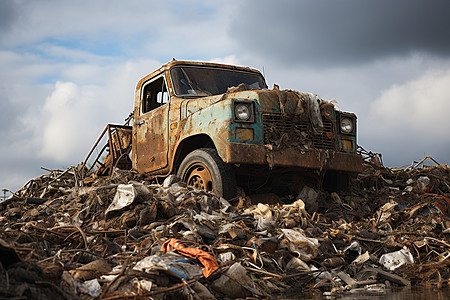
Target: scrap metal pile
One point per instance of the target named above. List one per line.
(123, 237)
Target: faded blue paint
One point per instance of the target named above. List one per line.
(214, 121)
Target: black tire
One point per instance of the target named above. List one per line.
(194, 171)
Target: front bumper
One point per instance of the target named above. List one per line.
(240, 153)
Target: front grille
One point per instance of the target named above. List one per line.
(279, 130)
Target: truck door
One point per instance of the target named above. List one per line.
(151, 126)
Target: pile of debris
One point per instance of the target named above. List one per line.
(125, 237)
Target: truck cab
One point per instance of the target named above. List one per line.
(214, 125)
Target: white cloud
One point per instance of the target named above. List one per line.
(409, 121)
(59, 112)
(420, 107)
(73, 115)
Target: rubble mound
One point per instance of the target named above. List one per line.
(124, 237)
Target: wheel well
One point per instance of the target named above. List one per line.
(190, 144)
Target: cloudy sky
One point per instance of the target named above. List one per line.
(67, 68)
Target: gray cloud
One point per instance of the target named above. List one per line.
(332, 32)
(7, 113)
(8, 15)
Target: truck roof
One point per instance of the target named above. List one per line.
(175, 62)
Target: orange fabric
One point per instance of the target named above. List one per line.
(207, 260)
(441, 205)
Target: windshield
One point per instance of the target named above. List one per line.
(207, 81)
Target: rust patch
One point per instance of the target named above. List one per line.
(240, 153)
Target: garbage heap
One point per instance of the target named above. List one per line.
(123, 237)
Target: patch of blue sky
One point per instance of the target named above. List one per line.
(48, 79)
(75, 49)
(100, 47)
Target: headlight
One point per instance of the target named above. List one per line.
(243, 111)
(347, 125)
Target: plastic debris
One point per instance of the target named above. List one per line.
(125, 196)
(124, 236)
(91, 287)
(207, 260)
(175, 264)
(393, 260)
(306, 248)
(235, 283)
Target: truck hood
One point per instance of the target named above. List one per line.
(286, 102)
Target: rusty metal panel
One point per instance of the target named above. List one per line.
(239, 153)
(151, 139)
(244, 134)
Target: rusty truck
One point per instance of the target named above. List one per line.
(220, 128)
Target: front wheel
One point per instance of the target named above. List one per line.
(203, 169)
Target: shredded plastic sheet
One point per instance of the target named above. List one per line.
(124, 196)
(235, 283)
(171, 262)
(207, 260)
(314, 112)
(393, 260)
(306, 248)
(91, 287)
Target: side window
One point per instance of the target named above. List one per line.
(155, 94)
